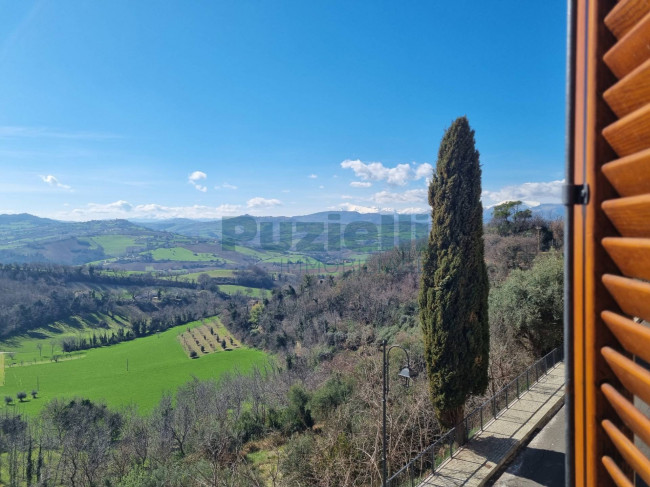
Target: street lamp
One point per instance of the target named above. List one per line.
(407, 373)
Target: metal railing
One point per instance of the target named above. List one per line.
(427, 461)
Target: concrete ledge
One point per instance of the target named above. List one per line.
(556, 405)
(483, 456)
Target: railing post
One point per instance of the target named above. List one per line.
(466, 435)
(494, 407)
(527, 379)
(451, 446)
(517, 383)
(481, 414)
(506, 396)
(545, 366)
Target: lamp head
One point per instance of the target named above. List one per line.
(407, 373)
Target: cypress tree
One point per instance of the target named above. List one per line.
(454, 287)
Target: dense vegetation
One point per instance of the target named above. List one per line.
(310, 418)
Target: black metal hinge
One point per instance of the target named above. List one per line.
(575, 194)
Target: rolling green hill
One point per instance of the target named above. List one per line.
(156, 364)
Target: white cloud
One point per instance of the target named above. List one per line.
(194, 179)
(360, 184)
(424, 170)
(321, 187)
(120, 206)
(313, 176)
(52, 181)
(123, 209)
(413, 211)
(410, 196)
(532, 194)
(357, 208)
(259, 202)
(399, 175)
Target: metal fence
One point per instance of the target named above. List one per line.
(444, 447)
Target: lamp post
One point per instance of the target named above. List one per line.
(407, 374)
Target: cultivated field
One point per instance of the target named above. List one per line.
(212, 337)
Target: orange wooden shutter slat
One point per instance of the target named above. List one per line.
(630, 215)
(631, 295)
(617, 475)
(630, 415)
(630, 93)
(630, 175)
(635, 378)
(628, 450)
(634, 337)
(631, 50)
(631, 255)
(631, 133)
(625, 15)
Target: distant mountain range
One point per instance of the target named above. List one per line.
(28, 238)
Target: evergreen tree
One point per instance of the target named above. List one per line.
(454, 288)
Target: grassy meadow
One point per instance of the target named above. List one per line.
(248, 291)
(155, 364)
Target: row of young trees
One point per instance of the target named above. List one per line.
(36, 296)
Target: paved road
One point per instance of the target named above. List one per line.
(541, 463)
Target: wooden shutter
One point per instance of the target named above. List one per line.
(610, 257)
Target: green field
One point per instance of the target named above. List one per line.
(115, 245)
(260, 254)
(155, 364)
(248, 291)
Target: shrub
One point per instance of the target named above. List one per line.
(334, 392)
(529, 304)
(297, 417)
(250, 426)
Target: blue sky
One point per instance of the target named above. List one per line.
(138, 109)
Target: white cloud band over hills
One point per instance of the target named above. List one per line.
(532, 194)
(152, 211)
(399, 175)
